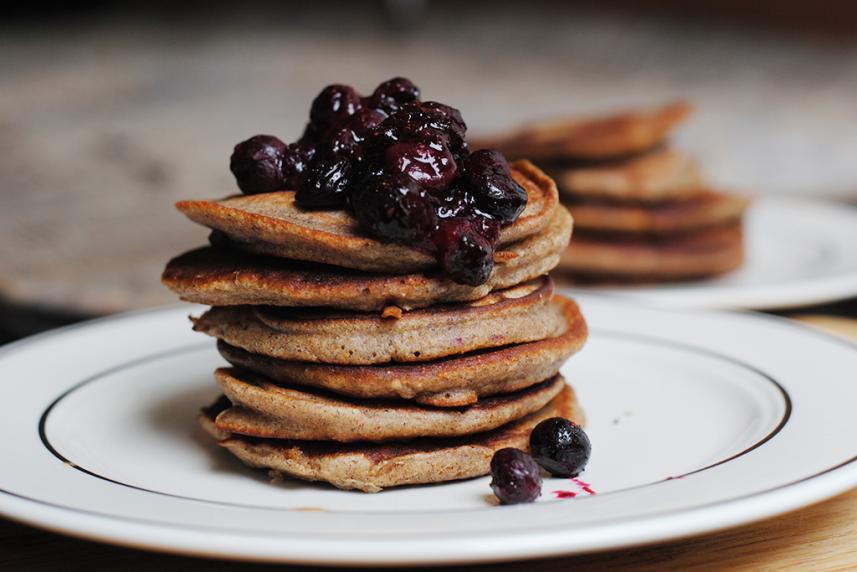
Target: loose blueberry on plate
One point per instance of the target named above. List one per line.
(560, 446)
(515, 476)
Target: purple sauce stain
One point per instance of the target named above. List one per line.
(565, 494)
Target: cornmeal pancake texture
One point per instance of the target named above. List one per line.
(643, 211)
(263, 409)
(447, 382)
(703, 210)
(591, 138)
(364, 339)
(371, 467)
(659, 175)
(271, 224)
(224, 277)
(695, 255)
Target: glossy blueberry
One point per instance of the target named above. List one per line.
(327, 182)
(465, 254)
(432, 167)
(393, 207)
(515, 476)
(391, 95)
(560, 446)
(296, 162)
(257, 164)
(486, 174)
(333, 106)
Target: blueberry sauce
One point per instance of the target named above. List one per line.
(403, 168)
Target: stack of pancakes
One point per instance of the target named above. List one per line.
(642, 211)
(358, 362)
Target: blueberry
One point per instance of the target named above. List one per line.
(391, 95)
(412, 124)
(333, 106)
(327, 182)
(296, 163)
(486, 174)
(430, 166)
(393, 207)
(560, 446)
(465, 254)
(515, 476)
(365, 120)
(450, 120)
(257, 164)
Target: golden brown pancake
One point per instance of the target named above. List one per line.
(662, 174)
(702, 210)
(271, 224)
(603, 137)
(448, 382)
(263, 409)
(372, 467)
(521, 314)
(692, 255)
(221, 277)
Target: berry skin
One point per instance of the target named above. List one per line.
(257, 164)
(486, 174)
(433, 168)
(450, 120)
(391, 95)
(327, 182)
(394, 207)
(333, 106)
(515, 476)
(465, 254)
(296, 162)
(560, 446)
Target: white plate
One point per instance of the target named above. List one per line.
(699, 421)
(799, 252)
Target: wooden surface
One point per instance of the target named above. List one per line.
(822, 537)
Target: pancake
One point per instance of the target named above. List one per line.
(262, 409)
(692, 255)
(271, 224)
(448, 382)
(364, 339)
(703, 210)
(593, 138)
(221, 277)
(662, 174)
(373, 467)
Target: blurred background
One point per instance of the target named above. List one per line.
(111, 112)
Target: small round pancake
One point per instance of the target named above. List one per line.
(705, 209)
(521, 314)
(262, 409)
(602, 137)
(659, 175)
(694, 255)
(372, 467)
(447, 382)
(222, 277)
(271, 224)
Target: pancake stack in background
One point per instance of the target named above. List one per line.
(357, 362)
(642, 210)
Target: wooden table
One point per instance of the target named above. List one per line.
(822, 537)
